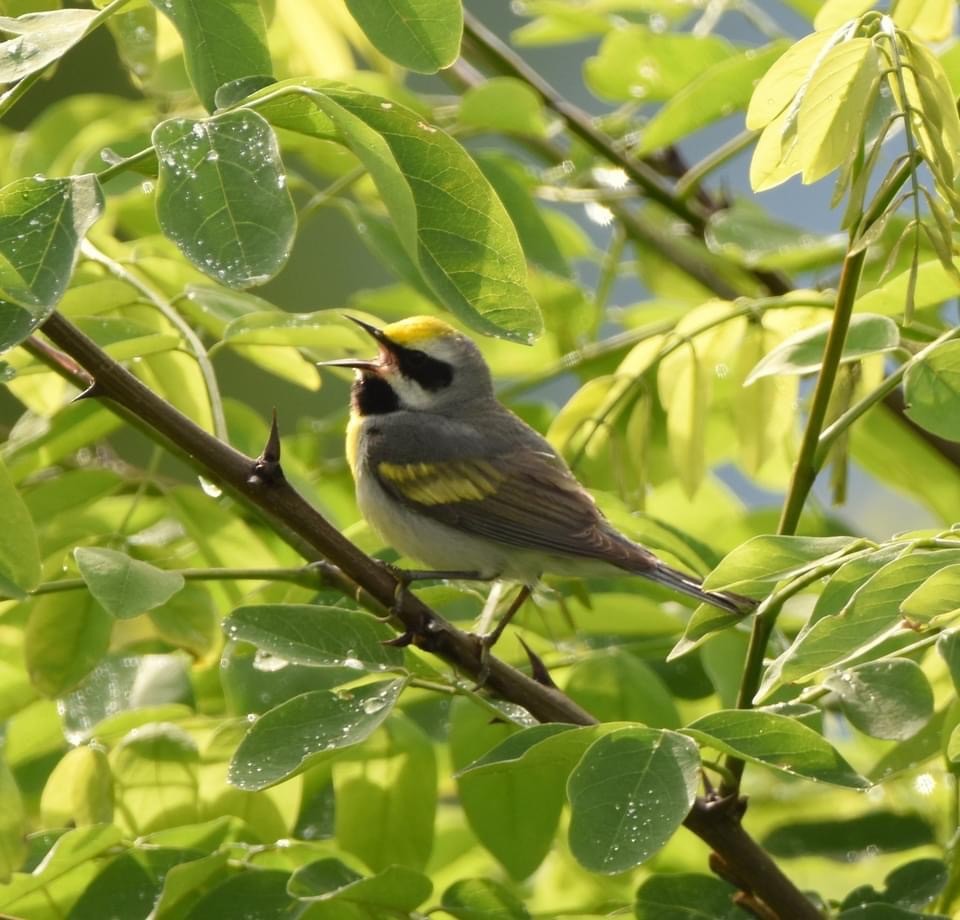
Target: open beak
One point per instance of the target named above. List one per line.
(369, 365)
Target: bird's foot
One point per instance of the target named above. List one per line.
(489, 640)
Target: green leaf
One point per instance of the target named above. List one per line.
(751, 236)
(628, 795)
(42, 222)
(423, 35)
(884, 699)
(785, 78)
(755, 566)
(186, 882)
(619, 687)
(802, 353)
(223, 40)
(315, 635)
(685, 397)
(296, 734)
(706, 621)
(872, 614)
(932, 285)
(844, 839)
(513, 794)
(637, 63)
(19, 549)
(451, 222)
(503, 104)
(835, 105)
(932, 391)
(67, 634)
(120, 683)
(62, 875)
(222, 195)
(327, 333)
(482, 899)
(948, 645)
(155, 779)
(41, 39)
(926, 744)
(13, 825)
(514, 190)
(386, 804)
(125, 587)
(79, 790)
(718, 90)
(396, 889)
(262, 894)
(775, 741)
(686, 896)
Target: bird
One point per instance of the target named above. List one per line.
(450, 477)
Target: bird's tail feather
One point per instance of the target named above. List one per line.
(690, 585)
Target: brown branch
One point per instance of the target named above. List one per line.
(260, 484)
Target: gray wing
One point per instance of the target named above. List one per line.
(498, 480)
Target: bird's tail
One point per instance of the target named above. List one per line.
(663, 574)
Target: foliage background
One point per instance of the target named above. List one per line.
(127, 691)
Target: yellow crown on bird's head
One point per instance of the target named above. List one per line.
(415, 330)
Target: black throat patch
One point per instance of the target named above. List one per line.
(371, 395)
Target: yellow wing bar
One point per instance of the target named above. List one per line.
(443, 483)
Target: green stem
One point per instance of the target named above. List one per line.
(166, 308)
(804, 474)
(121, 166)
(691, 179)
(579, 122)
(609, 269)
(805, 470)
(308, 576)
(325, 195)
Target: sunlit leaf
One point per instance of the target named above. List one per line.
(42, 222)
(686, 896)
(67, 634)
(314, 635)
(637, 63)
(775, 741)
(762, 561)
(423, 35)
(125, 587)
(803, 353)
(885, 699)
(301, 731)
(446, 214)
(932, 391)
(717, 91)
(223, 40)
(937, 596)
(872, 614)
(482, 899)
(386, 805)
(395, 889)
(503, 104)
(41, 38)
(628, 795)
(19, 549)
(222, 196)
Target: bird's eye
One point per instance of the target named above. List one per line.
(417, 358)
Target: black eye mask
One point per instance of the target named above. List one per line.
(430, 373)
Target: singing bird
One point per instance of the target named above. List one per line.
(450, 477)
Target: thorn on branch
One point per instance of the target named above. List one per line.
(266, 468)
(538, 670)
(94, 391)
(401, 641)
